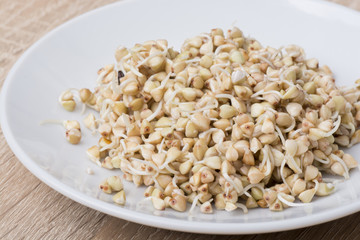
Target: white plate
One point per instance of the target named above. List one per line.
(70, 55)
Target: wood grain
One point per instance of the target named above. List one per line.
(29, 209)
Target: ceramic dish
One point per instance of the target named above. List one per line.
(70, 55)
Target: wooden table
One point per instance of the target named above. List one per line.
(30, 209)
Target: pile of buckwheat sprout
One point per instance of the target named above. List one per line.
(225, 122)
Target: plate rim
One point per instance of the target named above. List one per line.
(142, 218)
